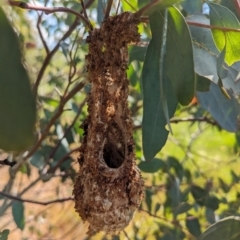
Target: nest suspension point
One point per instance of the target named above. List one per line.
(109, 187)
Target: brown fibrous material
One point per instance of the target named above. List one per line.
(109, 186)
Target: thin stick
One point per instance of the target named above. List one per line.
(48, 10)
(85, 15)
(35, 202)
(224, 29)
(109, 6)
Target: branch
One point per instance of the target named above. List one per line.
(41, 35)
(35, 202)
(7, 162)
(224, 29)
(191, 119)
(196, 24)
(109, 6)
(48, 10)
(54, 50)
(76, 89)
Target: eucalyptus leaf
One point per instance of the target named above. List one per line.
(193, 226)
(221, 68)
(227, 228)
(224, 111)
(222, 17)
(206, 56)
(153, 166)
(4, 234)
(17, 103)
(179, 57)
(192, 6)
(18, 214)
(100, 11)
(160, 5)
(153, 125)
(202, 84)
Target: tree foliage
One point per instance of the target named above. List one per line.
(184, 98)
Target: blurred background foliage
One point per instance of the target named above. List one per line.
(192, 183)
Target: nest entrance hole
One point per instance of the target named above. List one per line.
(113, 156)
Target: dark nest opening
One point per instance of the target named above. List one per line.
(113, 156)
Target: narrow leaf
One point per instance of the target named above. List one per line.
(202, 84)
(222, 17)
(221, 68)
(227, 228)
(179, 57)
(4, 234)
(18, 214)
(159, 5)
(154, 122)
(153, 166)
(193, 226)
(225, 111)
(17, 103)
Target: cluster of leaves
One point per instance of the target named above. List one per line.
(178, 58)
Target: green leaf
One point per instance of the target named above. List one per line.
(222, 17)
(37, 160)
(18, 214)
(206, 55)
(160, 5)
(200, 195)
(202, 84)
(17, 103)
(193, 226)
(182, 208)
(221, 68)
(192, 6)
(227, 228)
(153, 125)
(173, 191)
(232, 5)
(212, 202)
(174, 163)
(224, 111)
(179, 57)
(153, 166)
(224, 186)
(4, 234)
(148, 199)
(136, 53)
(210, 216)
(100, 11)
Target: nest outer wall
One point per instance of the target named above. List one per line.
(109, 186)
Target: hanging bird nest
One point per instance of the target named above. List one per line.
(109, 187)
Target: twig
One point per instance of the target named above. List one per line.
(108, 9)
(51, 155)
(40, 33)
(33, 201)
(62, 160)
(76, 89)
(54, 50)
(48, 10)
(224, 29)
(126, 235)
(7, 162)
(196, 24)
(85, 15)
(191, 119)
